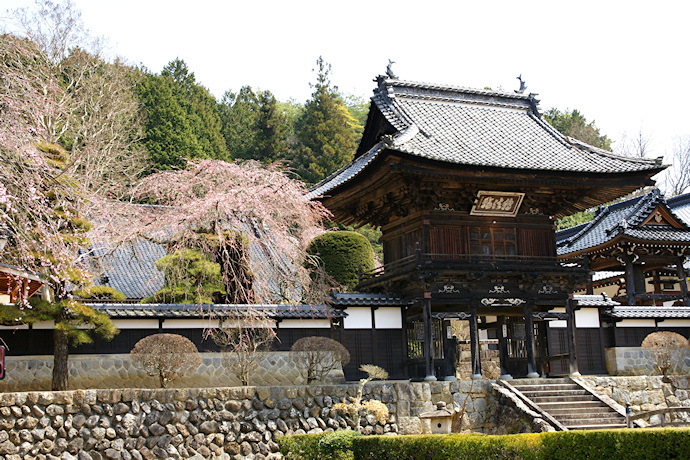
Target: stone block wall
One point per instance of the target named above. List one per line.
(241, 423)
(34, 373)
(639, 361)
(643, 393)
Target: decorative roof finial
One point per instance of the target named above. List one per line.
(389, 70)
(523, 87)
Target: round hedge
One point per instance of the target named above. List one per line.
(342, 253)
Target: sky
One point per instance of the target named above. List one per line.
(623, 64)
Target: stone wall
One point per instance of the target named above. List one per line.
(241, 422)
(34, 373)
(639, 361)
(643, 393)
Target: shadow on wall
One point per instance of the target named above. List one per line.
(34, 373)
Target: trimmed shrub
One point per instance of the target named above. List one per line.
(665, 346)
(342, 254)
(336, 445)
(318, 356)
(167, 356)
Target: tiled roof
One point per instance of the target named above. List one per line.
(280, 311)
(649, 312)
(130, 269)
(621, 218)
(476, 128)
(363, 299)
(597, 300)
(680, 204)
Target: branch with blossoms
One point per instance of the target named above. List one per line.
(239, 213)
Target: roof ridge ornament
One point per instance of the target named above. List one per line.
(389, 70)
(523, 86)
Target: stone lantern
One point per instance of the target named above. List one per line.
(440, 418)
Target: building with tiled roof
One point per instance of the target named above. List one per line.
(465, 184)
(635, 250)
(478, 132)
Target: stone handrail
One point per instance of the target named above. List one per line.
(529, 403)
(536, 418)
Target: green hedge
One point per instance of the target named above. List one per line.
(669, 443)
(604, 444)
(342, 254)
(336, 445)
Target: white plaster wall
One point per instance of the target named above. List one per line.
(304, 323)
(636, 323)
(135, 323)
(190, 323)
(388, 318)
(675, 323)
(587, 317)
(358, 318)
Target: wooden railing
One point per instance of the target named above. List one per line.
(470, 260)
(662, 413)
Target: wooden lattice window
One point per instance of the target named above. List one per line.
(488, 241)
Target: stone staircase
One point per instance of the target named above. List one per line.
(566, 403)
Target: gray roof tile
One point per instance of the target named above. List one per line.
(648, 312)
(279, 311)
(622, 218)
(364, 299)
(477, 128)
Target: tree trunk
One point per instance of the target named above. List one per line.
(60, 357)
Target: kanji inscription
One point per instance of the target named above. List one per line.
(497, 204)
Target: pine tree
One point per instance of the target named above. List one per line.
(239, 119)
(254, 125)
(201, 110)
(326, 132)
(167, 136)
(182, 118)
(271, 142)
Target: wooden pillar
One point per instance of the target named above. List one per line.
(683, 280)
(503, 348)
(374, 348)
(529, 344)
(630, 280)
(450, 345)
(590, 283)
(474, 345)
(405, 346)
(428, 356)
(572, 342)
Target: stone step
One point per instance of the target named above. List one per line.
(551, 386)
(555, 392)
(596, 410)
(567, 405)
(540, 381)
(603, 418)
(596, 427)
(564, 399)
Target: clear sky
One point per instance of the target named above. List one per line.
(623, 64)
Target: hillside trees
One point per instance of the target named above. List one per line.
(99, 122)
(254, 125)
(677, 179)
(574, 124)
(326, 132)
(182, 119)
